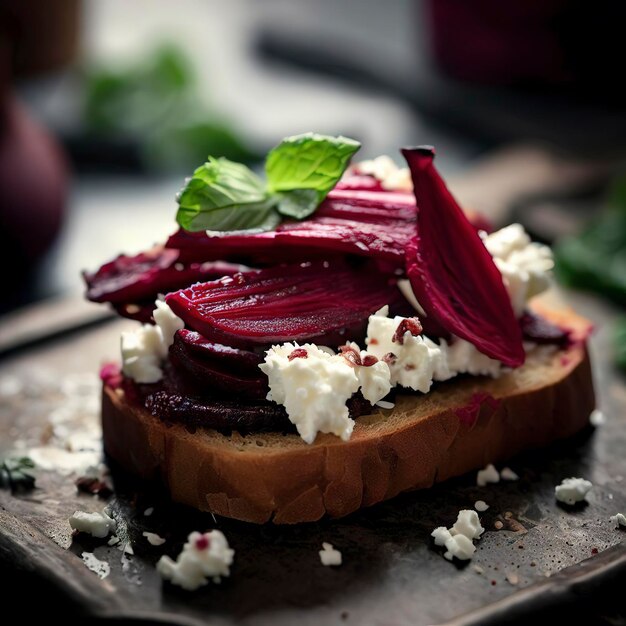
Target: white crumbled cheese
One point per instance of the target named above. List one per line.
(314, 389)
(101, 568)
(619, 519)
(95, 524)
(168, 323)
(488, 475)
(525, 265)
(597, 418)
(506, 473)
(464, 358)
(481, 506)
(204, 556)
(417, 361)
(113, 541)
(385, 170)
(572, 490)
(374, 380)
(141, 354)
(149, 511)
(330, 555)
(383, 404)
(458, 540)
(153, 538)
(144, 349)
(128, 548)
(467, 524)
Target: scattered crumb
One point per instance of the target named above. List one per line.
(508, 474)
(520, 546)
(330, 556)
(572, 490)
(481, 506)
(113, 541)
(488, 475)
(383, 404)
(508, 514)
(478, 569)
(128, 549)
(96, 524)
(149, 511)
(597, 418)
(619, 519)
(153, 538)
(498, 525)
(512, 578)
(533, 564)
(101, 568)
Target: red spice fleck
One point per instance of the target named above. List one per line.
(369, 360)
(202, 542)
(298, 353)
(373, 341)
(594, 550)
(390, 358)
(353, 357)
(410, 324)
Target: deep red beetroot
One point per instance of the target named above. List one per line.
(212, 374)
(540, 330)
(452, 274)
(319, 302)
(135, 279)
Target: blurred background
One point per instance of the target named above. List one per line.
(105, 106)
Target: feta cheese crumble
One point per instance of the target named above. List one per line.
(572, 490)
(525, 265)
(488, 475)
(481, 506)
(597, 418)
(458, 540)
(619, 519)
(95, 524)
(144, 349)
(385, 170)
(314, 384)
(508, 474)
(330, 555)
(205, 556)
(153, 538)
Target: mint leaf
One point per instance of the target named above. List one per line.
(308, 162)
(298, 203)
(225, 196)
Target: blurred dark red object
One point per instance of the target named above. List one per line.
(35, 37)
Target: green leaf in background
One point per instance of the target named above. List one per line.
(620, 343)
(307, 162)
(14, 474)
(156, 104)
(225, 196)
(596, 259)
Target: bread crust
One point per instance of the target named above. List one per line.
(459, 426)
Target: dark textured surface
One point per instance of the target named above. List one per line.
(391, 573)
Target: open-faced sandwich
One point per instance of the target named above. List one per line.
(331, 336)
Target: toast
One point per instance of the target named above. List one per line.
(460, 426)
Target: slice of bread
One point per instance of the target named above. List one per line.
(461, 425)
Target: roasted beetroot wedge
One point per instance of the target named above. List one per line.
(136, 279)
(320, 302)
(200, 360)
(452, 274)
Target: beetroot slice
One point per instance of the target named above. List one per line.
(540, 330)
(319, 302)
(129, 279)
(212, 374)
(452, 274)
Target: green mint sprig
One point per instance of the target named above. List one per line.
(223, 196)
